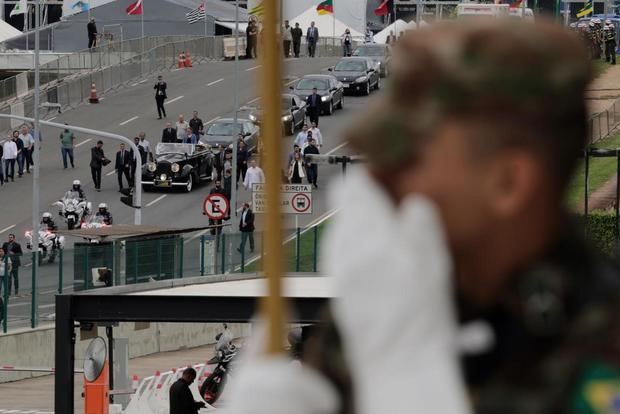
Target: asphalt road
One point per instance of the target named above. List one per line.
(207, 88)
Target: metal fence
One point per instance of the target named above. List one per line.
(91, 266)
(604, 123)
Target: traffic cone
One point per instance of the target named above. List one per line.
(181, 60)
(188, 60)
(93, 94)
(135, 382)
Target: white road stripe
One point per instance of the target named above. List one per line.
(195, 236)
(83, 142)
(175, 69)
(293, 81)
(253, 67)
(253, 100)
(175, 99)
(143, 80)
(214, 82)
(110, 173)
(52, 118)
(213, 120)
(51, 305)
(156, 200)
(344, 144)
(128, 121)
(135, 84)
(7, 228)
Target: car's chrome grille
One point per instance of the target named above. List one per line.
(164, 167)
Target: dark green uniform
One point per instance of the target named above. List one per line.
(610, 45)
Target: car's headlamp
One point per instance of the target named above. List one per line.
(287, 118)
(151, 166)
(325, 98)
(175, 167)
(361, 79)
(163, 177)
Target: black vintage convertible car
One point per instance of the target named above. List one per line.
(179, 165)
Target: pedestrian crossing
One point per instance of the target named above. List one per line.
(9, 411)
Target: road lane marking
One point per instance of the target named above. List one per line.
(214, 82)
(195, 236)
(175, 69)
(213, 120)
(7, 228)
(253, 100)
(293, 81)
(253, 67)
(135, 84)
(156, 200)
(143, 80)
(83, 142)
(52, 118)
(175, 99)
(128, 121)
(51, 305)
(344, 144)
(110, 173)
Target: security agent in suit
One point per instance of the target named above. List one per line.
(160, 96)
(181, 397)
(312, 37)
(97, 160)
(123, 164)
(169, 134)
(296, 33)
(313, 107)
(246, 226)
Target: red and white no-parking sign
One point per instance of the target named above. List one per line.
(216, 206)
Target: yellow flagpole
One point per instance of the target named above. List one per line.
(273, 304)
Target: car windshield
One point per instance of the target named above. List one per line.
(350, 66)
(368, 51)
(170, 148)
(309, 84)
(224, 128)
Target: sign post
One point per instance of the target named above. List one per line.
(296, 198)
(216, 206)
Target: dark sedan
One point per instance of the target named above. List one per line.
(328, 87)
(178, 165)
(224, 131)
(357, 74)
(378, 53)
(293, 113)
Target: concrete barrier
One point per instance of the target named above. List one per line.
(35, 347)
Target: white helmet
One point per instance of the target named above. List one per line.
(77, 182)
(607, 21)
(103, 205)
(46, 216)
(596, 21)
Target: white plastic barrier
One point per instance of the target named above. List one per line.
(139, 401)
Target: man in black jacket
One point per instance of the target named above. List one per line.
(169, 134)
(14, 251)
(312, 168)
(246, 226)
(160, 95)
(181, 398)
(196, 125)
(92, 33)
(296, 33)
(97, 159)
(123, 166)
(314, 106)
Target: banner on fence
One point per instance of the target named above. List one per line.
(296, 198)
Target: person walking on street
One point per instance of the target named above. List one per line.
(312, 169)
(67, 140)
(146, 146)
(243, 156)
(252, 40)
(316, 135)
(610, 42)
(287, 37)
(313, 107)
(181, 397)
(97, 161)
(160, 96)
(91, 28)
(291, 155)
(123, 166)
(312, 37)
(1, 165)
(21, 157)
(296, 169)
(182, 126)
(302, 137)
(28, 141)
(228, 190)
(196, 125)
(246, 227)
(14, 251)
(347, 43)
(296, 35)
(9, 155)
(189, 137)
(254, 175)
(169, 134)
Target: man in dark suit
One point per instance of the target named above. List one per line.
(124, 160)
(313, 107)
(14, 251)
(91, 27)
(169, 134)
(246, 226)
(181, 397)
(312, 37)
(160, 96)
(97, 159)
(296, 33)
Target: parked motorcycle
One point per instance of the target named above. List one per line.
(73, 210)
(212, 387)
(49, 245)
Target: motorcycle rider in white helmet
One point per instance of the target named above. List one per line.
(48, 222)
(103, 212)
(76, 191)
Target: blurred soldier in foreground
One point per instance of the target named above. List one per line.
(480, 134)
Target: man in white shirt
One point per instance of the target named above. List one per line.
(9, 155)
(316, 134)
(301, 140)
(145, 145)
(182, 126)
(28, 141)
(254, 175)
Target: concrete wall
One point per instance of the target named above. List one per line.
(35, 348)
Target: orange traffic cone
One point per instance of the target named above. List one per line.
(188, 61)
(93, 94)
(181, 60)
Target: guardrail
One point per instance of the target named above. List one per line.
(603, 124)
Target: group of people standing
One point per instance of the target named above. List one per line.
(291, 36)
(16, 150)
(600, 39)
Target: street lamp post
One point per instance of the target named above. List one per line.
(233, 179)
(35, 160)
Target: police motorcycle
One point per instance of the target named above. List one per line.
(102, 218)
(73, 206)
(50, 243)
(225, 352)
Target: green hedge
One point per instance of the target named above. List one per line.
(602, 232)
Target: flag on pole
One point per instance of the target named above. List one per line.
(81, 5)
(19, 8)
(196, 15)
(326, 7)
(588, 8)
(382, 10)
(135, 8)
(257, 10)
